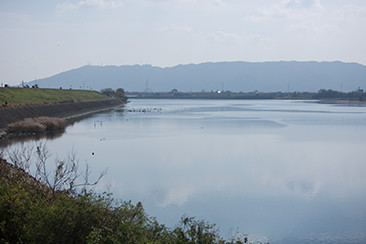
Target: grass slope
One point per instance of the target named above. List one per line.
(40, 95)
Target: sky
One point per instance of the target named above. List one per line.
(41, 38)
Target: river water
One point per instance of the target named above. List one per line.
(279, 171)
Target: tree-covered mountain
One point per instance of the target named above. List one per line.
(234, 76)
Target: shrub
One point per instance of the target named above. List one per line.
(52, 124)
(26, 126)
(36, 125)
(118, 94)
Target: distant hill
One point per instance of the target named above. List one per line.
(234, 76)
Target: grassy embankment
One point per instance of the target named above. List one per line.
(19, 96)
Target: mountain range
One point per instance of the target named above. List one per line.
(233, 76)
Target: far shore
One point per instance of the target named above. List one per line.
(358, 96)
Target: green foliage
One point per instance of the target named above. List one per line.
(107, 91)
(118, 94)
(332, 94)
(190, 230)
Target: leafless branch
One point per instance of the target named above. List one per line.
(42, 155)
(64, 177)
(21, 156)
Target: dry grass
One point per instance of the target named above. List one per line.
(52, 124)
(36, 125)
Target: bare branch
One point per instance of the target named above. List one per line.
(21, 156)
(42, 155)
(65, 175)
(86, 184)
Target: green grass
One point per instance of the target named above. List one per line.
(40, 95)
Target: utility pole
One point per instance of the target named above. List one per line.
(147, 89)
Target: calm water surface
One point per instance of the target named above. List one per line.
(280, 171)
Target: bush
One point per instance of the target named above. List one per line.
(36, 125)
(117, 94)
(52, 124)
(26, 126)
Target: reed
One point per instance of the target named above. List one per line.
(36, 125)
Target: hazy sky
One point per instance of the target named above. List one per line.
(41, 38)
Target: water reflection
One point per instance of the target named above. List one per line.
(16, 139)
(282, 171)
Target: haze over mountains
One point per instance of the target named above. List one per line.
(234, 76)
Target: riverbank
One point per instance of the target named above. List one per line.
(358, 95)
(69, 111)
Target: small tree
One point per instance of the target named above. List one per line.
(118, 94)
(108, 92)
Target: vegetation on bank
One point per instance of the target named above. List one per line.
(12, 95)
(36, 125)
(61, 206)
(117, 94)
(17, 115)
(357, 95)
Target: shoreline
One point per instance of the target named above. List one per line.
(69, 112)
(316, 100)
(74, 117)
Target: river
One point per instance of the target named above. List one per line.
(279, 171)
